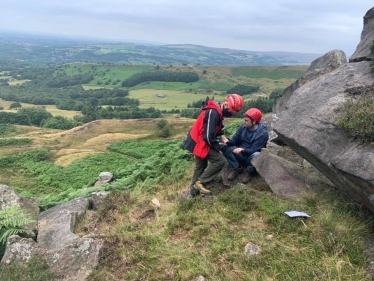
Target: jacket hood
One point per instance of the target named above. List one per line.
(209, 104)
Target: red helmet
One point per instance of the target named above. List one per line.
(254, 114)
(234, 102)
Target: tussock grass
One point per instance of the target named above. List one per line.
(206, 236)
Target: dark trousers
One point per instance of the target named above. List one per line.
(206, 169)
(237, 160)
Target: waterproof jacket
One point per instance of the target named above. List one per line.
(203, 134)
(251, 141)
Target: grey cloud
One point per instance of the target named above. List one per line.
(312, 26)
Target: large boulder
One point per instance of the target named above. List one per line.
(287, 174)
(324, 64)
(308, 126)
(363, 51)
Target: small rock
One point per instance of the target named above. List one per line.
(156, 202)
(251, 249)
(199, 278)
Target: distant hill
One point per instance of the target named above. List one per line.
(20, 50)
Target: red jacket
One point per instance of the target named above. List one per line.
(203, 134)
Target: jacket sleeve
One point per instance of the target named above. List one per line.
(211, 121)
(260, 142)
(236, 139)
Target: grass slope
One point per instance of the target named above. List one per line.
(183, 239)
(206, 236)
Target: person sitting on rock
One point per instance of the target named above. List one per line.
(245, 145)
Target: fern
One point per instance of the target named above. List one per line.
(12, 222)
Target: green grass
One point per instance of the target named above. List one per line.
(207, 236)
(106, 73)
(35, 270)
(50, 108)
(12, 141)
(274, 74)
(175, 86)
(172, 99)
(217, 78)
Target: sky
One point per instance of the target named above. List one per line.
(305, 26)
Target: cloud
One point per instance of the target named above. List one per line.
(268, 25)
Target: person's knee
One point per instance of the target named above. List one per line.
(254, 155)
(222, 162)
(230, 149)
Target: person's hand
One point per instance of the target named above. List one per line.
(223, 139)
(238, 150)
(222, 147)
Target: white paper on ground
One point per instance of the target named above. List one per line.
(293, 214)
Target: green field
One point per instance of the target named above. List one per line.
(274, 73)
(217, 79)
(170, 100)
(108, 76)
(50, 108)
(214, 81)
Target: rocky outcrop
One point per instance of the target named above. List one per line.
(318, 67)
(363, 51)
(308, 125)
(69, 256)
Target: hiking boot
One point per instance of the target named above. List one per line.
(246, 177)
(199, 186)
(234, 173)
(193, 191)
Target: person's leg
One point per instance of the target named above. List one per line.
(250, 169)
(200, 166)
(249, 165)
(216, 163)
(231, 157)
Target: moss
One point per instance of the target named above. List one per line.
(357, 114)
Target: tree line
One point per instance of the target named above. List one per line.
(160, 75)
(263, 104)
(243, 89)
(69, 98)
(42, 118)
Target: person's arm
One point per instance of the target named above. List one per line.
(211, 121)
(260, 142)
(236, 139)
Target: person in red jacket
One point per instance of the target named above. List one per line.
(202, 141)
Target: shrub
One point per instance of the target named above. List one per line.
(275, 93)
(165, 129)
(12, 221)
(357, 114)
